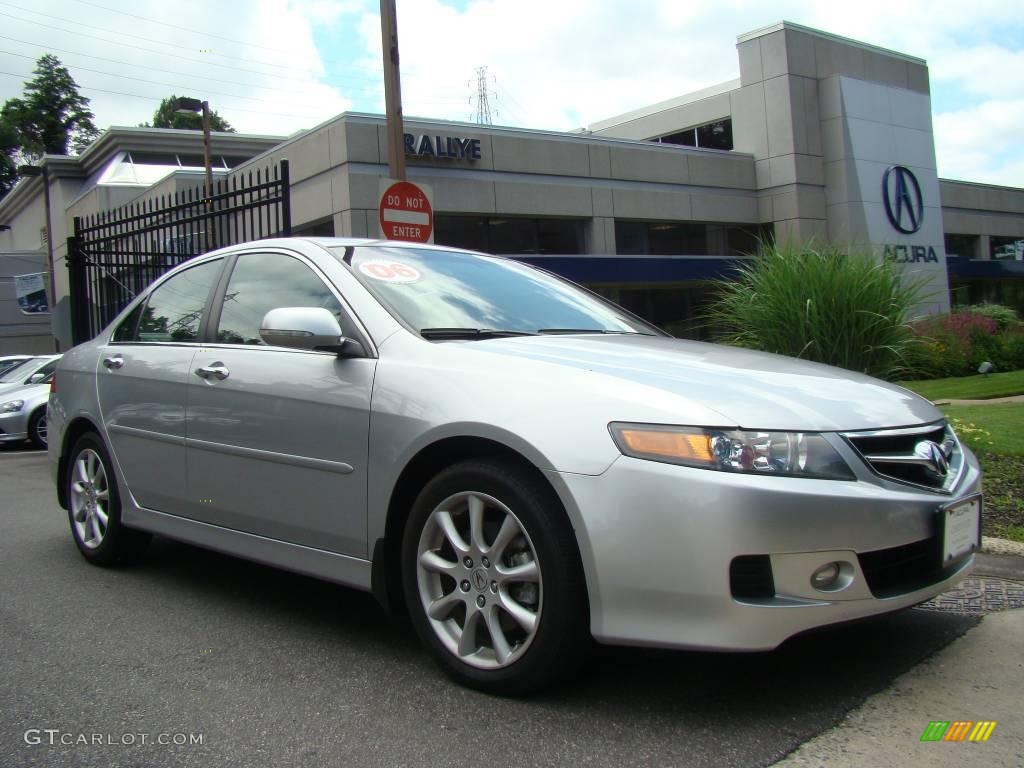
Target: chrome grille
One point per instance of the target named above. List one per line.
(928, 456)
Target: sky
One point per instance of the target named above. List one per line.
(276, 67)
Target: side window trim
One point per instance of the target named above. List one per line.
(212, 320)
(151, 289)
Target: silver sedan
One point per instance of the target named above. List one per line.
(520, 465)
(23, 413)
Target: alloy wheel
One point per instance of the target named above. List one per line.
(89, 498)
(479, 580)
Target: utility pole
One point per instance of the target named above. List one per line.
(392, 90)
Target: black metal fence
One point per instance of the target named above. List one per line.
(113, 255)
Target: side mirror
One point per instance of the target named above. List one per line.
(309, 328)
(35, 378)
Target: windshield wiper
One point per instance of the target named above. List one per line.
(469, 333)
(557, 331)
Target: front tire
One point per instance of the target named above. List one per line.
(493, 579)
(94, 507)
(37, 428)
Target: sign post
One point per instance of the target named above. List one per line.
(406, 212)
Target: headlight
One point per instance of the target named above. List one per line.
(12, 406)
(793, 454)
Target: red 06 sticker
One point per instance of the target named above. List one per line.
(390, 271)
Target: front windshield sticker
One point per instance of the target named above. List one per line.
(389, 271)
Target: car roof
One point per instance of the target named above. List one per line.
(340, 242)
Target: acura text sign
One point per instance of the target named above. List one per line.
(406, 212)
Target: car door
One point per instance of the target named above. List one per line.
(141, 380)
(277, 438)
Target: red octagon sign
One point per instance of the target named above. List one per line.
(405, 213)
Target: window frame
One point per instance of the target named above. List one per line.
(144, 302)
(359, 332)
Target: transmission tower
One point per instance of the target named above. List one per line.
(483, 98)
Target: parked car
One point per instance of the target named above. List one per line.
(518, 463)
(32, 371)
(23, 413)
(7, 362)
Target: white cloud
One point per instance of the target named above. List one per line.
(267, 78)
(982, 143)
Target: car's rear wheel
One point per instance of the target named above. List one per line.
(94, 507)
(37, 428)
(493, 579)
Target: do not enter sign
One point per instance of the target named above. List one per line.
(406, 213)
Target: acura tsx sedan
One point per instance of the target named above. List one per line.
(518, 464)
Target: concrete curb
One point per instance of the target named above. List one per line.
(977, 677)
(996, 546)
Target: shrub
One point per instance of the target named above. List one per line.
(822, 305)
(1004, 317)
(957, 343)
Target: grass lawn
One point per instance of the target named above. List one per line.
(996, 434)
(970, 387)
(1004, 423)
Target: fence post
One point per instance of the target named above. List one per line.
(286, 201)
(78, 288)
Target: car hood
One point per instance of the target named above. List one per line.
(28, 392)
(753, 390)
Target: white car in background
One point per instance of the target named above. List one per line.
(32, 371)
(23, 413)
(7, 362)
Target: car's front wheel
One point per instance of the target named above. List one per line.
(493, 578)
(94, 507)
(37, 428)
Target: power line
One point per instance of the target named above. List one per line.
(177, 72)
(183, 29)
(151, 82)
(157, 98)
(125, 34)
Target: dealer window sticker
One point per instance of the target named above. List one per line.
(390, 271)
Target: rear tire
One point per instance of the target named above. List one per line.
(493, 579)
(94, 507)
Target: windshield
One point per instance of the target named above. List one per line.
(21, 371)
(454, 291)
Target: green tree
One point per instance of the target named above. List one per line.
(8, 154)
(52, 116)
(166, 117)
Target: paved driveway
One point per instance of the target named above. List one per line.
(275, 669)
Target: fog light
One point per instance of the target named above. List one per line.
(825, 578)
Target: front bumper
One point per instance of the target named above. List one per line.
(14, 427)
(657, 542)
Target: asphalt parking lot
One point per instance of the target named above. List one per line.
(270, 668)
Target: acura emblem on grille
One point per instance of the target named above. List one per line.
(932, 452)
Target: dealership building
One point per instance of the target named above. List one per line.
(820, 138)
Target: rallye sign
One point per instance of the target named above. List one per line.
(454, 147)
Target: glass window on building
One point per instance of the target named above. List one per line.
(688, 238)
(964, 246)
(713, 135)
(1007, 248)
(674, 307)
(716, 135)
(509, 234)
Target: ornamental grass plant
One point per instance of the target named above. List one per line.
(820, 304)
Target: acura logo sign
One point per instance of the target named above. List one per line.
(904, 205)
(933, 456)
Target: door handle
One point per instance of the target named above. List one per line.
(215, 371)
(113, 362)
